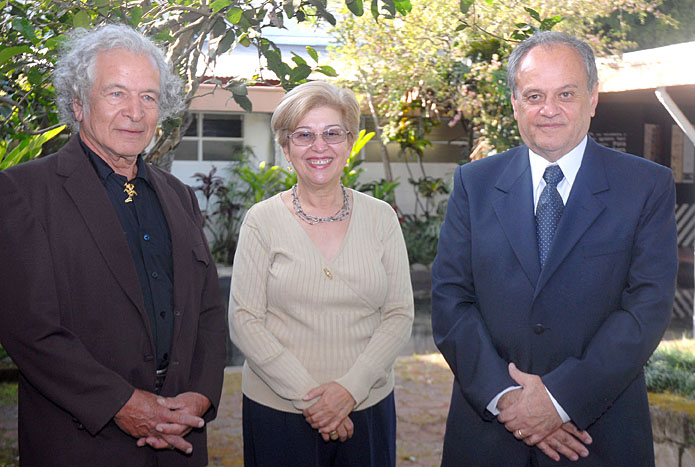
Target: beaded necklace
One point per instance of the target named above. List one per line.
(342, 213)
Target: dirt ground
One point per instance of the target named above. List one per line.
(423, 387)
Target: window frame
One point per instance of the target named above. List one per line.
(199, 138)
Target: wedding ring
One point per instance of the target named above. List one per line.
(333, 434)
(521, 435)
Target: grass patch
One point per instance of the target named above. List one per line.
(671, 369)
(8, 394)
(5, 360)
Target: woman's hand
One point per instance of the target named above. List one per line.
(344, 432)
(333, 406)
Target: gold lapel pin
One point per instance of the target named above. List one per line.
(130, 191)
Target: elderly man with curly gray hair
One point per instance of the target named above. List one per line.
(110, 300)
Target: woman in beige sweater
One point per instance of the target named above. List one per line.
(321, 301)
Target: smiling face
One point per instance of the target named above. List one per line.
(319, 164)
(553, 106)
(120, 116)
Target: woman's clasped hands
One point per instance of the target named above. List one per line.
(330, 413)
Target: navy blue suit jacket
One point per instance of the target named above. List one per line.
(586, 323)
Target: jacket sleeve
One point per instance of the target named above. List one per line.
(457, 325)
(587, 386)
(209, 355)
(49, 356)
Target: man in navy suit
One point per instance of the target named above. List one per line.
(554, 281)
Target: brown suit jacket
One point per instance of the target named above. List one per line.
(72, 314)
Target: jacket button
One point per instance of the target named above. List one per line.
(539, 328)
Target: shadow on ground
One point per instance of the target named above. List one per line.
(423, 386)
(423, 389)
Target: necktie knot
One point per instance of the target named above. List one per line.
(553, 175)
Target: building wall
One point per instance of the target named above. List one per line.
(257, 136)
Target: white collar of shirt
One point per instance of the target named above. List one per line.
(569, 163)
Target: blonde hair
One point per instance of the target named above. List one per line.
(307, 96)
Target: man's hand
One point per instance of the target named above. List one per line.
(532, 417)
(141, 416)
(334, 404)
(191, 403)
(566, 440)
(508, 399)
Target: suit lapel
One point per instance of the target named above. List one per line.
(582, 209)
(90, 198)
(514, 203)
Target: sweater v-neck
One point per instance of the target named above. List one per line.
(296, 225)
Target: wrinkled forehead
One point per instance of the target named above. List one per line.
(107, 61)
(552, 61)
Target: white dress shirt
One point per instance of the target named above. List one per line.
(569, 164)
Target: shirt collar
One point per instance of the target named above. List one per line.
(103, 169)
(569, 163)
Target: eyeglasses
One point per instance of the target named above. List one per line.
(307, 138)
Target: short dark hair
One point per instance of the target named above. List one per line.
(550, 38)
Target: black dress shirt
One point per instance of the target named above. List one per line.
(147, 232)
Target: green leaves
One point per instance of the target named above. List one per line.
(362, 139)
(240, 94)
(300, 73)
(136, 16)
(234, 14)
(291, 76)
(217, 5)
(312, 53)
(352, 171)
(526, 30)
(403, 6)
(320, 6)
(263, 182)
(533, 14)
(548, 23)
(24, 27)
(327, 70)
(28, 149)
(390, 7)
(671, 370)
(355, 6)
(31, 31)
(10, 52)
(465, 5)
(81, 19)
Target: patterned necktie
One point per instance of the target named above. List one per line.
(548, 211)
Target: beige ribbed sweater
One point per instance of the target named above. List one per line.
(302, 320)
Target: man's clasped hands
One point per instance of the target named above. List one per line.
(529, 414)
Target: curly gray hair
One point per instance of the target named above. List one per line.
(73, 76)
(550, 38)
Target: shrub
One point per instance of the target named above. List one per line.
(671, 369)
